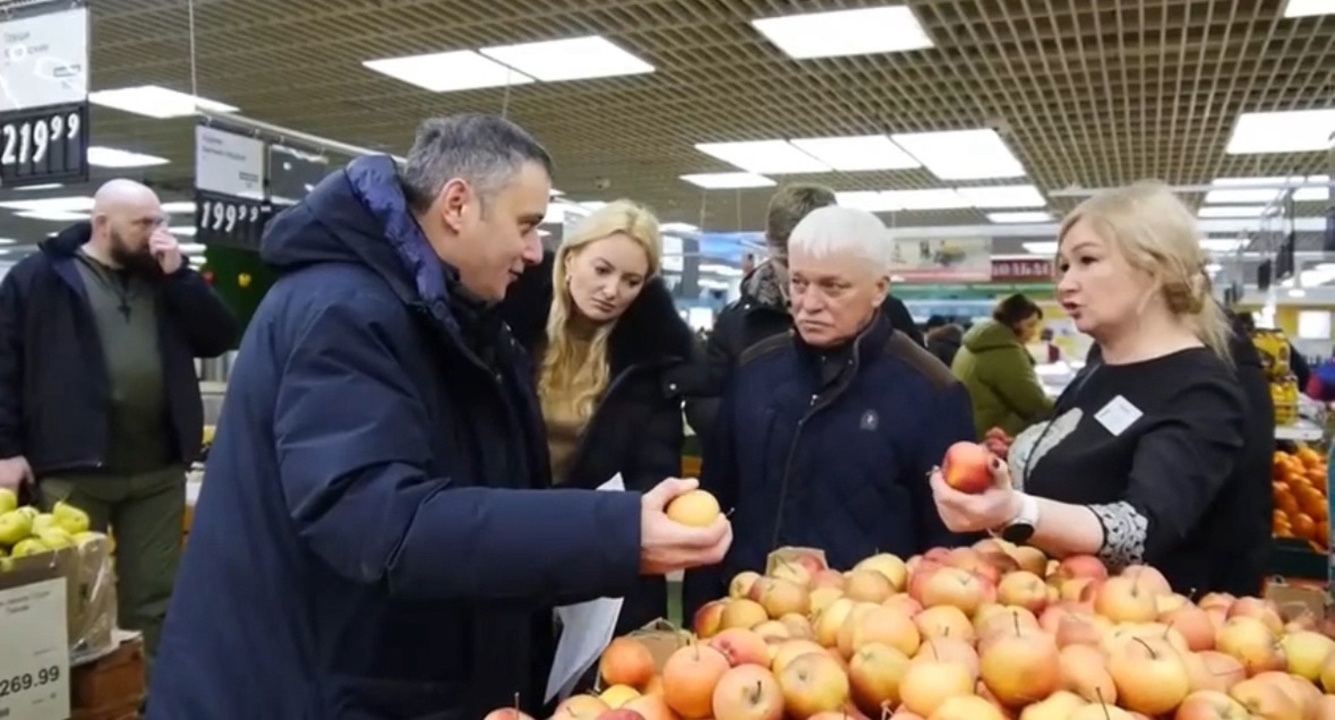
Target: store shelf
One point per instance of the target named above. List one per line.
(1304, 430)
(1297, 559)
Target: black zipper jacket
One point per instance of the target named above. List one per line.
(54, 389)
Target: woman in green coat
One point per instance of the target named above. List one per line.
(998, 370)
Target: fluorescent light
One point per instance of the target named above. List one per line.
(1231, 211)
(1041, 247)
(156, 102)
(1308, 8)
(192, 248)
(448, 71)
(764, 156)
(728, 180)
(1019, 217)
(936, 199)
(76, 203)
(593, 205)
(1004, 196)
(115, 158)
(178, 207)
(1224, 245)
(555, 193)
(858, 153)
(52, 215)
(7, 241)
(46, 186)
(183, 230)
(580, 58)
(845, 32)
(678, 227)
(1319, 193)
(869, 200)
(962, 154)
(1287, 131)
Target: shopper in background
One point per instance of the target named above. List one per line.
(826, 438)
(609, 336)
(943, 338)
(1051, 352)
(376, 536)
(1140, 463)
(762, 310)
(99, 400)
(996, 367)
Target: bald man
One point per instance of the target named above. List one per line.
(99, 400)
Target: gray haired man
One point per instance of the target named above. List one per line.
(376, 537)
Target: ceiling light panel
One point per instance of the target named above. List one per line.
(1020, 217)
(1004, 196)
(448, 71)
(858, 153)
(1224, 245)
(938, 199)
(1288, 131)
(845, 32)
(1041, 247)
(1232, 211)
(581, 58)
(1266, 189)
(871, 201)
(53, 204)
(728, 180)
(52, 215)
(962, 154)
(1308, 8)
(115, 158)
(764, 156)
(156, 102)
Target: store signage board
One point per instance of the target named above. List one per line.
(35, 664)
(231, 196)
(1022, 269)
(44, 97)
(229, 164)
(960, 260)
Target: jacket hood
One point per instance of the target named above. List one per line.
(949, 334)
(764, 286)
(650, 332)
(359, 215)
(68, 241)
(990, 335)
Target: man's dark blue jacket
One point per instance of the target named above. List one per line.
(371, 541)
(831, 451)
(54, 389)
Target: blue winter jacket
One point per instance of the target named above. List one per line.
(808, 454)
(372, 541)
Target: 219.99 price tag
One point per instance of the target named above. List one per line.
(35, 662)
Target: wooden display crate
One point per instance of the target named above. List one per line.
(112, 687)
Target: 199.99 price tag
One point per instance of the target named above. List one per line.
(35, 662)
(231, 221)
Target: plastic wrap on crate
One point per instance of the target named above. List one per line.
(92, 600)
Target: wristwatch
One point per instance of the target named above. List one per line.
(1021, 528)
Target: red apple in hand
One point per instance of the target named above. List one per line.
(965, 467)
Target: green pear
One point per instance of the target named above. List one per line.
(41, 522)
(30, 511)
(29, 546)
(8, 500)
(55, 538)
(14, 526)
(71, 519)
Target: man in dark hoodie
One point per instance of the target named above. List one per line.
(762, 310)
(376, 537)
(99, 401)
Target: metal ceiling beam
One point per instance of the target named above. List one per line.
(283, 134)
(1090, 192)
(1049, 230)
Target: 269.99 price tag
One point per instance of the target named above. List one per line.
(35, 662)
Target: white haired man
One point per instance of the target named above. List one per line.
(826, 436)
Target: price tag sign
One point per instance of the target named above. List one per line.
(44, 145)
(1022, 269)
(35, 662)
(229, 221)
(44, 97)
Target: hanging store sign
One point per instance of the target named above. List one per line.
(231, 196)
(1022, 269)
(937, 261)
(44, 97)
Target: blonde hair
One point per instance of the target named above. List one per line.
(573, 375)
(1157, 234)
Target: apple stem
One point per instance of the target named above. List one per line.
(886, 712)
(1098, 693)
(1015, 619)
(516, 702)
(1150, 650)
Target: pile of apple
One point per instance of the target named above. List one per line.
(25, 530)
(987, 632)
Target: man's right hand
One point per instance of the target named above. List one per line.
(668, 546)
(14, 472)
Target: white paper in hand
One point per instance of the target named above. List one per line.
(586, 630)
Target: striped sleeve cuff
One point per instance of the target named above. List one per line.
(1124, 534)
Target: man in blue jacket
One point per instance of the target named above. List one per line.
(99, 400)
(827, 433)
(376, 537)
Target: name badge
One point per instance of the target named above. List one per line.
(1118, 415)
